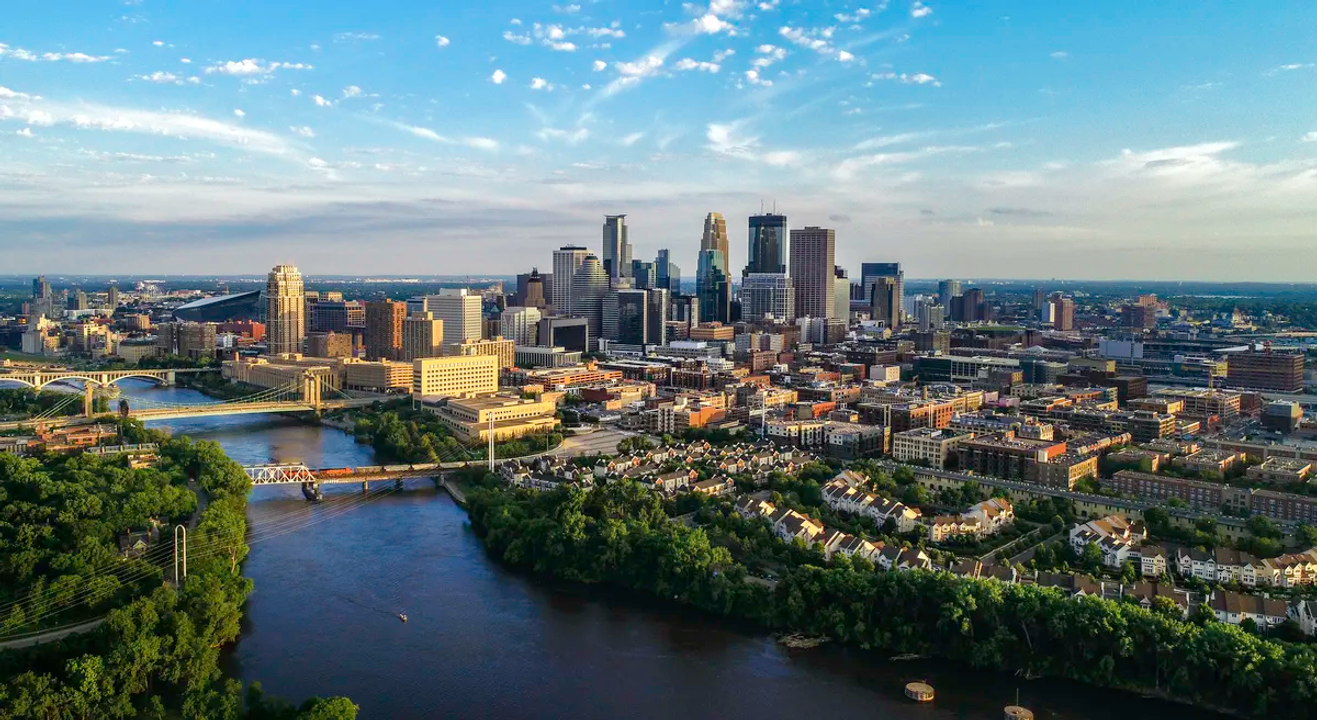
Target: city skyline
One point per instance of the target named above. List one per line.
(956, 140)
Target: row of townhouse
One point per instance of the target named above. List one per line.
(1074, 585)
(840, 495)
(790, 525)
(981, 520)
(1124, 541)
(755, 460)
(1117, 538)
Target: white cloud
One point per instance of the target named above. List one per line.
(321, 101)
(752, 77)
(843, 56)
(711, 24)
(252, 66)
(848, 168)
(515, 38)
(728, 139)
(561, 45)
(632, 139)
(885, 141)
(690, 64)
(567, 9)
(25, 132)
(479, 143)
(541, 84)
(514, 21)
(159, 43)
(351, 91)
(771, 54)
(769, 5)
(722, 55)
(599, 32)
(857, 16)
(75, 57)
(915, 79)
(586, 86)
(647, 66)
(498, 77)
(167, 78)
(355, 36)
(303, 130)
(1059, 55)
(599, 65)
(918, 10)
(440, 41)
(85, 116)
(1290, 67)
(239, 113)
(1309, 137)
(7, 94)
(815, 39)
(295, 92)
(571, 137)
(185, 61)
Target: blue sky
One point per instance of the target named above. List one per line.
(1006, 139)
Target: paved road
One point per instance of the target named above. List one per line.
(601, 442)
(51, 635)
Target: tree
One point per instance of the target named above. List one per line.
(1261, 526)
(1091, 557)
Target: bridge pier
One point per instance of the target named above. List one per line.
(365, 487)
(311, 491)
(397, 484)
(88, 399)
(169, 379)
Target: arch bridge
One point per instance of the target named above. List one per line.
(92, 379)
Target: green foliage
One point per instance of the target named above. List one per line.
(618, 535)
(26, 402)
(417, 436)
(157, 654)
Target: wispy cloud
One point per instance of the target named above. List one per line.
(730, 140)
(541, 84)
(344, 37)
(167, 78)
(1059, 55)
(14, 53)
(425, 133)
(252, 66)
(1290, 68)
(691, 64)
(918, 10)
(909, 79)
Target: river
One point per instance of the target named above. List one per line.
(483, 641)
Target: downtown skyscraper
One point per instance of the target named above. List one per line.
(768, 244)
(565, 261)
(713, 282)
(813, 260)
(617, 251)
(285, 310)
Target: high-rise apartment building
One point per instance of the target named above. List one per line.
(768, 245)
(455, 376)
(813, 257)
(1063, 313)
(946, 290)
(459, 308)
(617, 251)
(422, 336)
(384, 329)
(765, 294)
(285, 308)
(112, 297)
(565, 261)
(329, 344)
(969, 306)
(589, 285)
(518, 324)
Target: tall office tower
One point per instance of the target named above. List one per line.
(609, 309)
(565, 261)
(841, 297)
(1039, 297)
(928, 314)
(666, 273)
(384, 329)
(532, 294)
(643, 274)
(870, 271)
(43, 299)
(589, 285)
(657, 332)
(285, 310)
(518, 324)
(715, 238)
(632, 317)
(112, 297)
(813, 256)
(768, 244)
(714, 287)
(765, 294)
(457, 376)
(1063, 313)
(617, 251)
(459, 308)
(79, 301)
(970, 306)
(946, 290)
(422, 337)
(885, 300)
(41, 288)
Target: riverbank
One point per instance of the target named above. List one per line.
(575, 535)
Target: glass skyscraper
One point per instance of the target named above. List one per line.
(768, 244)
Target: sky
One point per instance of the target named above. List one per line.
(1113, 140)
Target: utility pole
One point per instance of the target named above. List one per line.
(491, 442)
(180, 532)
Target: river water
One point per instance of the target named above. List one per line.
(483, 641)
